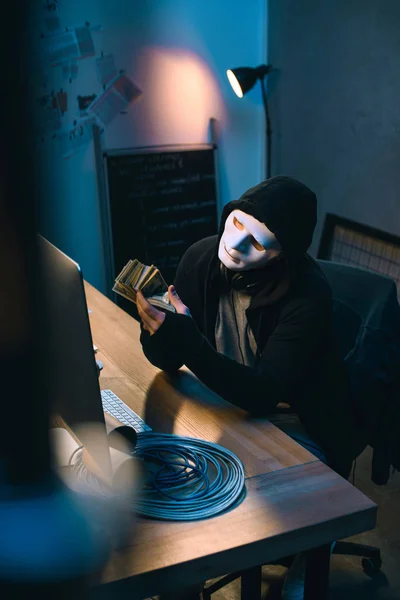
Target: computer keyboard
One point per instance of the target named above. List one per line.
(115, 407)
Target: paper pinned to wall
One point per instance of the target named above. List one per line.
(116, 97)
(61, 47)
(85, 41)
(106, 69)
(77, 136)
(126, 88)
(107, 106)
(60, 53)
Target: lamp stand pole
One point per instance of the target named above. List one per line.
(268, 126)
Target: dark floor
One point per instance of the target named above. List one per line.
(348, 580)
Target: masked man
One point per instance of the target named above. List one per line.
(254, 320)
(254, 324)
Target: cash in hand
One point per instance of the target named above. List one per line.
(136, 276)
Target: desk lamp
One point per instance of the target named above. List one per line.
(242, 79)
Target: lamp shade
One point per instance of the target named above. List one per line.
(242, 79)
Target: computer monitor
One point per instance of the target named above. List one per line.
(71, 369)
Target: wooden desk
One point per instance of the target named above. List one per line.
(293, 503)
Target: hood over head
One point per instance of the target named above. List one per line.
(289, 209)
(286, 206)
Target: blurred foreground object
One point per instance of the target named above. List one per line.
(48, 541)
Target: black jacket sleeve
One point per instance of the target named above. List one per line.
(159, 352)
(159, 348)
(285, 361)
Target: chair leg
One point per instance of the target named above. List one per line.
(353, 549)
(371, 556)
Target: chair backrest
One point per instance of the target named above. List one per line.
(367, 327)
(360, 298)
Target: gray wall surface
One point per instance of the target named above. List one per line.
(335, 104)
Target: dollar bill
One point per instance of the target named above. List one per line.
(136, 276)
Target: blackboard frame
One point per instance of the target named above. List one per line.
(107, 222)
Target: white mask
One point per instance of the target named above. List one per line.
(246, 243)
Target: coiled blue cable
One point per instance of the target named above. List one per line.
(195, 479)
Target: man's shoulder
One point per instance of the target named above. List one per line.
(311, 282)
(198, 257)
(201, 251)
(207, 244)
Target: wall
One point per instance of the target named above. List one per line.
(335, 104)
(177, 52)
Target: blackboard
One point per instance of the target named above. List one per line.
(160, 201)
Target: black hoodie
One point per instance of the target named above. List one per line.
(296, 358)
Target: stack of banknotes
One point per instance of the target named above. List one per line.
(136, 276)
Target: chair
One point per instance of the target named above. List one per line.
(360, 298)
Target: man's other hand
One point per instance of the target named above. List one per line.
(151, 317)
